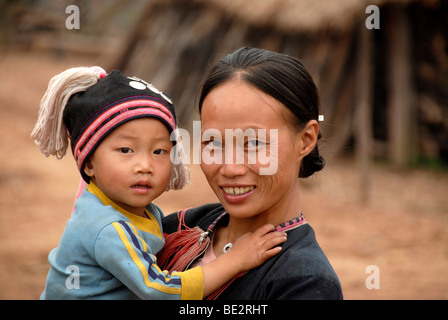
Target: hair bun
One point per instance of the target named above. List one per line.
(313, 162)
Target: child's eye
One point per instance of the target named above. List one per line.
(159, 151)
(125, 150)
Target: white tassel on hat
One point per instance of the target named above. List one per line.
(50, 132)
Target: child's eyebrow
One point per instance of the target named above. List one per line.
(127, 136)
(133, 137)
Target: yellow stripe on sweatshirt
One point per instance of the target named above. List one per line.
(141, 265)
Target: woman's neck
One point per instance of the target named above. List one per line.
(286, 209)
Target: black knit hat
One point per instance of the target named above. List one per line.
(116, 99)
(84, 105)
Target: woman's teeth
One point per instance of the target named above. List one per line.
(238, 190)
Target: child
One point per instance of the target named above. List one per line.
(119, 130)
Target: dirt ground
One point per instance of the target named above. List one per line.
(402, 231)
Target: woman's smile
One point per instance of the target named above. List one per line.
(237, 194)
(237, 190)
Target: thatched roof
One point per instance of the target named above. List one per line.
(175, 41)
(299, 15)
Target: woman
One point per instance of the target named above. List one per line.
(272, 99)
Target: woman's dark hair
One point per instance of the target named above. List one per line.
(280, 76)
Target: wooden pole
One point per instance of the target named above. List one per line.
(402, 118)
(363, 110)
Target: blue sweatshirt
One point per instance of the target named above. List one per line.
(106, 252)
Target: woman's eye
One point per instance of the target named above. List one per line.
(255, 143)
(125, 150)
(212, 144)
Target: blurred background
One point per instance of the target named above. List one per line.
(382, 198)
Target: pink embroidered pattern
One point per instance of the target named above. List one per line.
(92, 134)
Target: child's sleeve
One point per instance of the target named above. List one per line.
(121, 251)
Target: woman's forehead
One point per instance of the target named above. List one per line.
(236, 102)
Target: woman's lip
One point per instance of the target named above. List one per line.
(236, 190)
(230, 193)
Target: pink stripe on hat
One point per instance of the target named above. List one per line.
(120, 108)
(104, 124)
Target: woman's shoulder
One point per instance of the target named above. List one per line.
(300, 271)
(304, 263)
(202, 216)
(302, 249)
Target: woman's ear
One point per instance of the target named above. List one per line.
(308, 138)
(88, 169)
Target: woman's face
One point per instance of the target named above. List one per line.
(251, 187)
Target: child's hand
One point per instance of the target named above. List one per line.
(249, 251)
(254, 248)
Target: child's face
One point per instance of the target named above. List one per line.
(132, 165)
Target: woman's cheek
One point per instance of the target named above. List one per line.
(211, 171)
(267, 185)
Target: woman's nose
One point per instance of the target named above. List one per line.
(233, 163)
(232, 170)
